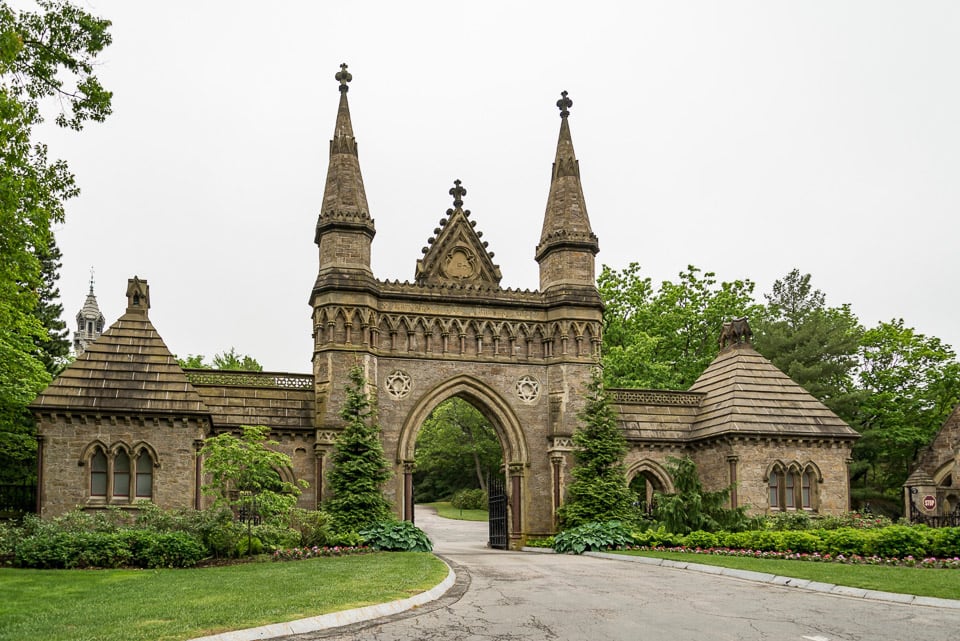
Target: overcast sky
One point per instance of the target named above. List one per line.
(746, 138)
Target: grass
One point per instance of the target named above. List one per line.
(944, 584)
(447, 511)
(134, 605)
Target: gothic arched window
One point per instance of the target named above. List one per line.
(98, 473)
(144, 475)
(121, 474)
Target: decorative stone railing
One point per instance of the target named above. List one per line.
(250, 379)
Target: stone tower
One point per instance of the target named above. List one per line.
(89, 322)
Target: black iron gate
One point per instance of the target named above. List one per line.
(497, 491)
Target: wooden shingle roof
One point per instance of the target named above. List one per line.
(128, 369)
(745, 393)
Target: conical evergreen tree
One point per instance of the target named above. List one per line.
(54, 349)
(599, 490)
(359, 465)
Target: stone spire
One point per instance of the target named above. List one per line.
(567, 243)
(89, 322)
(344, 226)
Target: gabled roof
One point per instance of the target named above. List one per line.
(127, 370)
(455, 254)
(745, 393)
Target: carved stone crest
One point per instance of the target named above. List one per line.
(528, 389)
(398, 384)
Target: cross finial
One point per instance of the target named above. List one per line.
(344, 77)
(458, 193)
(564, 104)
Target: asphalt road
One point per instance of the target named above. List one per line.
(508, 596)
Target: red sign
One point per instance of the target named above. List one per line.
(929, 502)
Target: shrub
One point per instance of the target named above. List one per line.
(274, 537)
(540, 542)
(312, 525)
(249, 546)
(655, 537)
(789, 521)
(469, 500)
(399, 536)
(846, 541)
(801, 541)
(945, 542)
(164, 549)
(900, 541)
(593, 536)
(701, 539)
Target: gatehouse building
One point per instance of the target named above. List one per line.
(125, 422)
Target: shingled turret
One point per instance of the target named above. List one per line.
(344, 226)
(567, 243)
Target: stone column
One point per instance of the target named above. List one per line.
(408, 514)
(516, 520)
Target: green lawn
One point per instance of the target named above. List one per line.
(944, 584)
(130, 605)
(445, 510)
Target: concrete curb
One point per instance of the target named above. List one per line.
(337, 619)
(762, 577)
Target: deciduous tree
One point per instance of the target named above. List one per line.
(44, 54)
(912, 383)
(665, 338)
(457, 449)
(245, 472)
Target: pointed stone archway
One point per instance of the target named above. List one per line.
(498, 413)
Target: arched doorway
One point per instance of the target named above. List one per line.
(457, 451)
(646, 478)
(465, 390)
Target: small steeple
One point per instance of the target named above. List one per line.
(344, 227)
(138, 296)
(89, 322)
(567, 243)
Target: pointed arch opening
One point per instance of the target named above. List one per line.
(470, 400)
(646, 479)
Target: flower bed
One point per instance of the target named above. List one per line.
(298, 554)
(789, 555)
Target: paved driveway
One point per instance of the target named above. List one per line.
(507, 596)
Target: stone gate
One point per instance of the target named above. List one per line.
(522, 358)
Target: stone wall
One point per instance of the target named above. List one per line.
(66, 448)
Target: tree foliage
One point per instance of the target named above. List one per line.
(690, 507)
(244, 473)
(230, 360)
(359, 465)
(599, 489)
(911, 383)
(44, 54)
(815, 345)
(664, 338)
(457, 449)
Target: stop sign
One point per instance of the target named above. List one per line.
(929, 502)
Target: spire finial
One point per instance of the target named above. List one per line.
(91, 280)
(458, 193)
(344, 77)
(564, 104)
